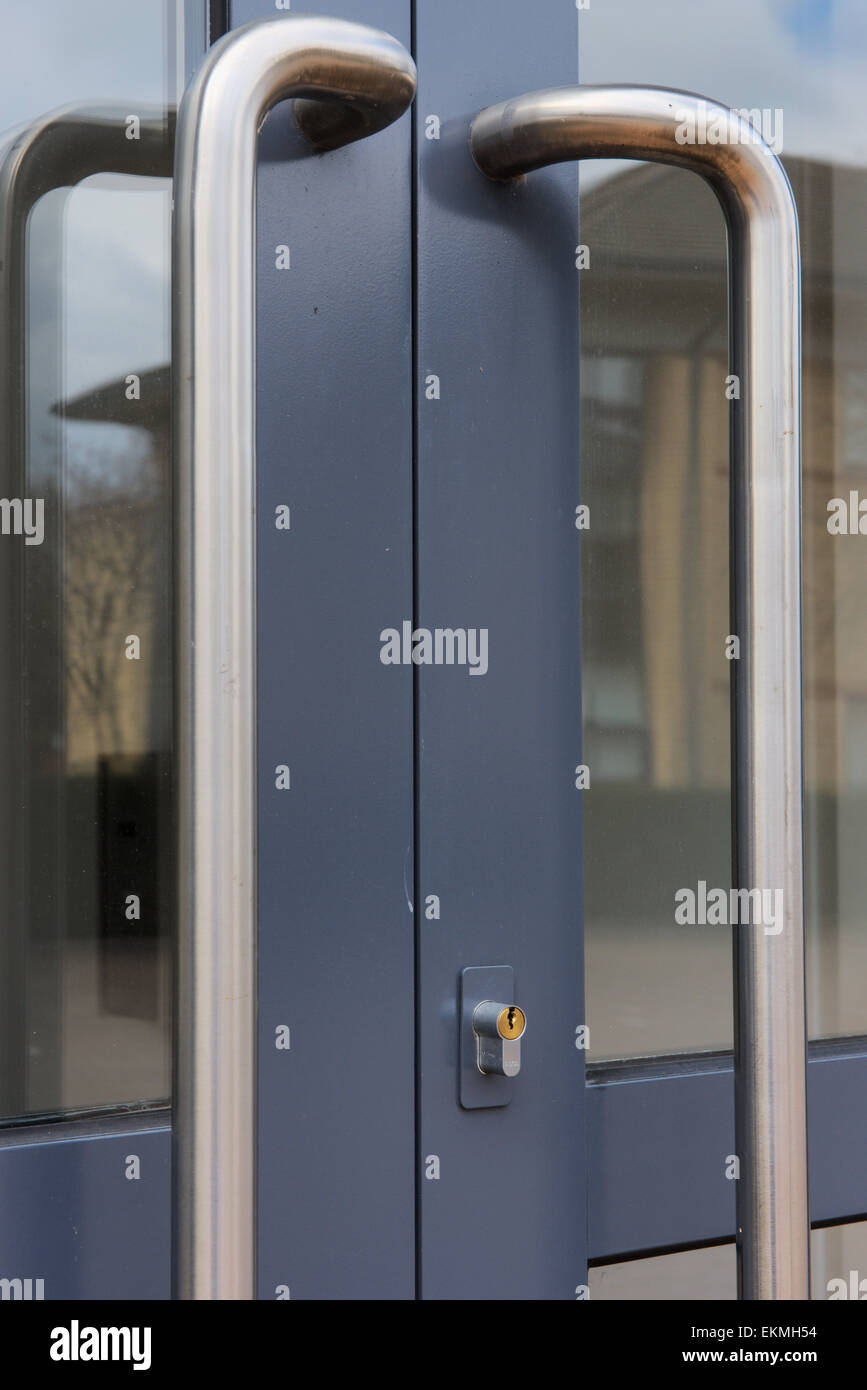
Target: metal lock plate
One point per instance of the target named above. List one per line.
(479, 985)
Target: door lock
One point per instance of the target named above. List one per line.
(491, 1029)
(498, 1029)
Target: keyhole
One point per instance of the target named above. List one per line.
(511, 1019)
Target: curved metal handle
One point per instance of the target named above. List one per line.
(629, 122)
(367, 79)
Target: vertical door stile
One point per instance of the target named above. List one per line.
(502, 1197)
(335, 856)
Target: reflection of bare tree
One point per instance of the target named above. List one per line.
(111, 569)
(117, 569)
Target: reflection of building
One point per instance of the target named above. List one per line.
(654, 458)
(655, 471)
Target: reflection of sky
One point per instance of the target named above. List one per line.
(811, 22)
(80, 50)
(806, 57)
(116, 280)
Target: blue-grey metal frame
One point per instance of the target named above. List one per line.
(498, 834)
(659, 1132)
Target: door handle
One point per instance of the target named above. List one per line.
(354, 81)
(634, 122)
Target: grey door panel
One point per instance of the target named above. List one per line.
(336, 1119)
(498, 817)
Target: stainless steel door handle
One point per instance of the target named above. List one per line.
(632, 122)
(356, 81)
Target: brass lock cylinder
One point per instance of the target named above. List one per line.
(498, 1029)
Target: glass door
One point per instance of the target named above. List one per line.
(365, 711)
(87, 114)
(86, 521)
(656, 659)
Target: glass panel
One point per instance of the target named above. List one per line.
(654, 461)
(838, 1260)
(85, 561)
